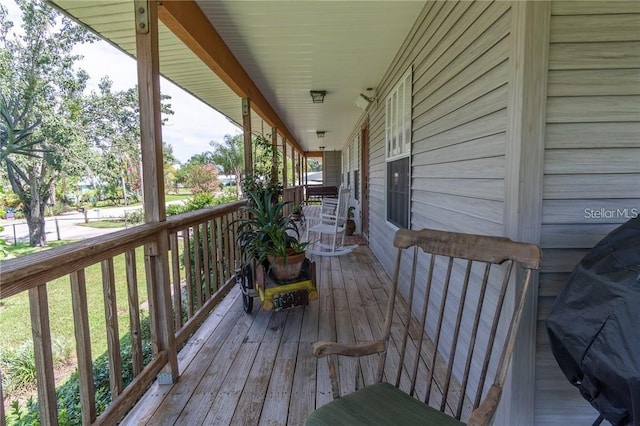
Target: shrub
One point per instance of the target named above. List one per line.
(134, 217)
(19, 365)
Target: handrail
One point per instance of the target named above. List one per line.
(199, 247)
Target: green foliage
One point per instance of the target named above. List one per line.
(40, 94)
(264, 230)
(134, 217)
(68, 393)
(19, 365)
(314, 165)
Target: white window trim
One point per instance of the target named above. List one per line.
(405, 149)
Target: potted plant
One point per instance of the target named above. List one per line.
(269, 237)
(350, 227)
(296, 212)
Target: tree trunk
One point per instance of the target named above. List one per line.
(34, 215)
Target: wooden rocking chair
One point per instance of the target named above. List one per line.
(451, 320)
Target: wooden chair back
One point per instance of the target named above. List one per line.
(456, 302)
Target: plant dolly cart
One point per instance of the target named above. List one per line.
(275, 295)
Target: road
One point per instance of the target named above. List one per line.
(68, 225)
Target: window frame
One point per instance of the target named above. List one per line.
(398, 138)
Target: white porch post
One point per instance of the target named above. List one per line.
(523, 184)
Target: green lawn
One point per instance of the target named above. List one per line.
(15, 323)
(101, 224)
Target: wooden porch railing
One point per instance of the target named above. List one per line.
(295, 195)
(201, 255)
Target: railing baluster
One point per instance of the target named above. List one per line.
(206, 266)
(111, 319)
(83, 346)
(187, 272)
(3, 421)
(197, 253)
(213, 231)
(177, 287)
(226, 246)
(134, 312)
(39, 310)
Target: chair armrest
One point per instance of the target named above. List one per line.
(483, 415)
(322, 349)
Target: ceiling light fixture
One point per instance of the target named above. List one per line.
(320, 133)
(363, 100)
(317, 96)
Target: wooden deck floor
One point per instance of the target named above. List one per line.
(257, 369)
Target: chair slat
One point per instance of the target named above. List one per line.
(472, 340)
(436, 341)
(423, 317)
(492, 335)
(407, 322)
(454, 342)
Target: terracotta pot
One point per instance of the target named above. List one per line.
(287, 268)
(350, 227)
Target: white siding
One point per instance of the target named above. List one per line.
(592, 161)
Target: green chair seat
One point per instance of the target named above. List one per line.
(379, 404)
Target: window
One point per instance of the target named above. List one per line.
(398, 151)
(356, 185)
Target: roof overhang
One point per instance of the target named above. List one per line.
(273, 51)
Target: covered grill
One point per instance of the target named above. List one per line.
(594, 326)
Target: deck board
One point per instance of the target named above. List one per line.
(257, 369)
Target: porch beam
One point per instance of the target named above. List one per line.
(526, 106)
(313, 154)
(189, 24)
(246, 133)
(156, 257)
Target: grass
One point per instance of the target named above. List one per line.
(22, 249)
(15, 323)
(103, 224)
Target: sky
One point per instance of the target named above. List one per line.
(193, 124)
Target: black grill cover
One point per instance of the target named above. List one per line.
(594, 326)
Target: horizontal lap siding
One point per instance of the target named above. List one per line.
(459, 54)
(592, 163)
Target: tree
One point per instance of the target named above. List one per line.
(314, 165)
(229, 155)
(112, 121)
(40, 105)
(202, 178)
(170, 172)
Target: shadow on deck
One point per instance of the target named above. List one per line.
(258, 368)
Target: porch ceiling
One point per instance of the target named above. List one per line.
(287, 47)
